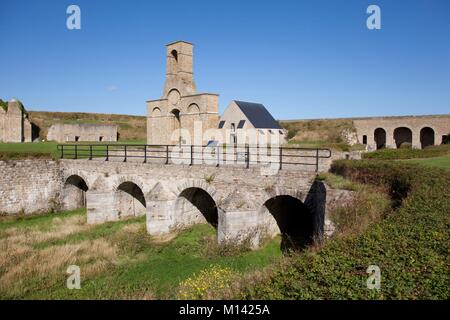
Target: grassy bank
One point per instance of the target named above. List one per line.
(396, 154)
(118, 260)
(410, 245)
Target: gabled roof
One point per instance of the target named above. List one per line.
(258, 115)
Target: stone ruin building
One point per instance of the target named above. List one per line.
(14, 123)
(63, 132)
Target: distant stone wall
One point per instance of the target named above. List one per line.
(392, 132)
(62, 132)
(29, 186)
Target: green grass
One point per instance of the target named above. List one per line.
(394, 154)
(437, 162)
(33, 150)
(142, 267)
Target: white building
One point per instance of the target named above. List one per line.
(248, 122)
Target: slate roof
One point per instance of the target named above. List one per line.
(258, 115)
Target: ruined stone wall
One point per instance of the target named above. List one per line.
(29, 186)
(62, 132)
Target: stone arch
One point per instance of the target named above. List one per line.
(426, 137)
(134, 179)
(156, 112)
(193, 108)
(379, 136)
(197, 183)
(291, 218)
(129, 200)
(74, 192)
(402, 136)
(196, 205)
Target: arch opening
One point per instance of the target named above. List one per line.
(196, 205)
(130, 200)
(74, 193)
(292, 219)
(380, 138)
(426, 137)
(403, 137)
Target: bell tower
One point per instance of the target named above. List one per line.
(173, 118)
(179, 69)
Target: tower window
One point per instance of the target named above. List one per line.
(174, 54)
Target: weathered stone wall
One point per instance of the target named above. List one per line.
(29, 186)
(62, 132)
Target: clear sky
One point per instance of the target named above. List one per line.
(302, 59)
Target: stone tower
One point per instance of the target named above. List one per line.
(171, 119)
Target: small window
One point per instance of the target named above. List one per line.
(281, 132)
(233, 127)
(241, 124)
(77, 138)
(100, 138)
(364, 139)
(270, 131)
(221, 124)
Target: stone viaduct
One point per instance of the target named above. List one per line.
(240, 203)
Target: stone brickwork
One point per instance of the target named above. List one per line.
(63, 132)
(29, 186)
(14, 124)
(171, 119)
(393, 132)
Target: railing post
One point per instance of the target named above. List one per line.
(107, 153)
(317, 160)
(167, 154)
(76, 151)
(90, 152)
(62, 151)
(192, 159)
(247, 158)
(218, 154)
(145, 153)
(125, 150)
(281, 158)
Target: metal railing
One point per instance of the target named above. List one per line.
(246, 155)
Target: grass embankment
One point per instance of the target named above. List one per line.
(118, 260)
(130, 127)
(325, 133)
(410, 245)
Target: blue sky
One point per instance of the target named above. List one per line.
(302, 59)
